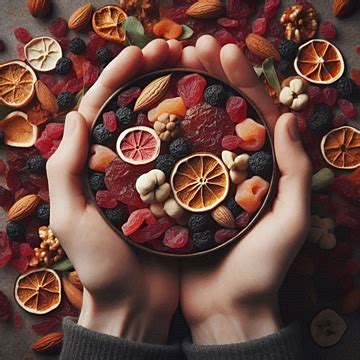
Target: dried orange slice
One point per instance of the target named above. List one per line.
(108, 23)
(199, 182)
(341, 147)
(38, 291)
(319, 62)
(17, 84)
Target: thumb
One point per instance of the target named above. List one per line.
(295, 171)
(64, 168)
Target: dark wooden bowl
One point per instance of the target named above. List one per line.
(253, 112)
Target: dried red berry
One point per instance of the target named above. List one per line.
(136, 219)
(20, 52)
(128, 96)
(225, 37)
(2, 46)
(110, 122)
(329, 95)
(228, 23)
(243, 219)
(54, 131)
(5, 307)
(18, 320)
(301, 122)
(231, 142)
(142, 120)
(271, 5)
(347, 108)
(327, 30)
(106, 199)
(315, 94)
(176, 237)
(91, 74)
(22, 35)
(59, 27)
(339, 120)
(73, 86)
(237, 108)
(191, 89)
(259, 26)
(5, 249)
(224, 235)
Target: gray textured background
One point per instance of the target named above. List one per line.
(15, 344)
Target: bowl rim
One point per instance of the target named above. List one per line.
(267, 200)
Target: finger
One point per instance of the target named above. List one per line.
(208, 52)
(241, 75)
(175, 51)
(295, 170)
(155, 54)
(190, 60)
(65, 166)
(120, 70)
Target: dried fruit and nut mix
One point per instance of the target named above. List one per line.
(299, 67)
(178, 163)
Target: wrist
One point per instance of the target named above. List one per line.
(128, 320)
(239, 324)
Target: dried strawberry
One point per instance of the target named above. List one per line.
(5, 307)
(73, 86)
(48, 80)
(128, 96)
(20, 264)
(18, 320)
(191, 89)
(271, 5)
(106, 199)
(22, 35)
(59, 27)
(44, 145)
(136, 219)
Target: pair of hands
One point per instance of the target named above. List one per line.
(225, 299)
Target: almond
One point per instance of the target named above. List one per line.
(46, 98)
(342, 7)
(39, 8)
(224, 217)
(206, 9)
(23, 207)
(48, 343)
(74, 295)
(152, 93)
(75, 280)
(261, 47)
(81, 17)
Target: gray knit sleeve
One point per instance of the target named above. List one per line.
(84, 344)
(286, 344)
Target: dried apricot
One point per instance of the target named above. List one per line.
(101, 157)
(168, 29)
(249, 194)
(174, 106)
(252, 134)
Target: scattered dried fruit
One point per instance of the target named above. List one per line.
(168, 29)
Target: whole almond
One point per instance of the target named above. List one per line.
(49, 343)
(46, 98)
(74, 295)
(23, 207)
(152, 93)
(81, 17)
(206, 9)
(38, 8)
(75, 280)
(224, 217)
(342, 7)
(261, 47)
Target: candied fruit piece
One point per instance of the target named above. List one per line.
(228, 23)
(73, 86)
(78, 61)
(174, 106)
(271, 5)
(136, 219)
(100, 157)
(128, 96)
(54, 130)
(249, 193)
(237, 107)
(327, 30)
(152, 231)
(204, 126)
(176, 237)
(58, 27)
(224, 235)
(191, 89)
(22, 35)
(167, 29)
(106, 199)
(230, 142)
(259, 26)
(347, 108)
(329, 95)
(252, 134)
(110, 122)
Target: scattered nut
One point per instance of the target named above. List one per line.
(152, 187)
(322, 232)
(293, 95)
(166, 126)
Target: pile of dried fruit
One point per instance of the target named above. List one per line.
(303, 75)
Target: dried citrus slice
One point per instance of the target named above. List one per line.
(108, 23)
(18, 131)
(138, 145)
(319, 62)
(341, 147)
(200, 182)
(17, 84)
(42, 53)
(38, 291)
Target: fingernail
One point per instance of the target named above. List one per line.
(293, 130)
(70, 126)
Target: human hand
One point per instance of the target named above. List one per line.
(232, 297)
(125, 294)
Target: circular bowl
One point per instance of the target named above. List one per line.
(253, 112)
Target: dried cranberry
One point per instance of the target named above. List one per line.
(153, 231)
(20, 52)
(73, 86)
(64, 43)
(106, 199)
(347, 108)
(110, 122)
(21, 264)
(142, 120)
(191, 89)
(176, 237)
(5, 307)
(128, 96)
(92, 48)
(329, 95)
(225, 37)
(91, 74)
(22, 35)
(271, 5)
(54, 130)
(237, 108)
(315, 95)
(2, 46)
(327, 30)
(2, 167)
(59, 27)
(339, 120)
(136, 219)
(228, 23)
(43, 144)
(259, 26)
(230, 142)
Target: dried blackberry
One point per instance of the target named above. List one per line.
(102, 135)
(77, 46)
(43, 213)
(204, 240)
(288, 50)
(200, 222)
(285, 67)
(15, 229)
(65, 101)
(346, 88)
(261, 164)
(104, 55)
(1, 137)
(231, 204)
(36, 164)
(165, 163)
(97, 181)
(216, 95)
(125, 116)
(179, 148)
(63, 66)
(118, 215)
(321, 120)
